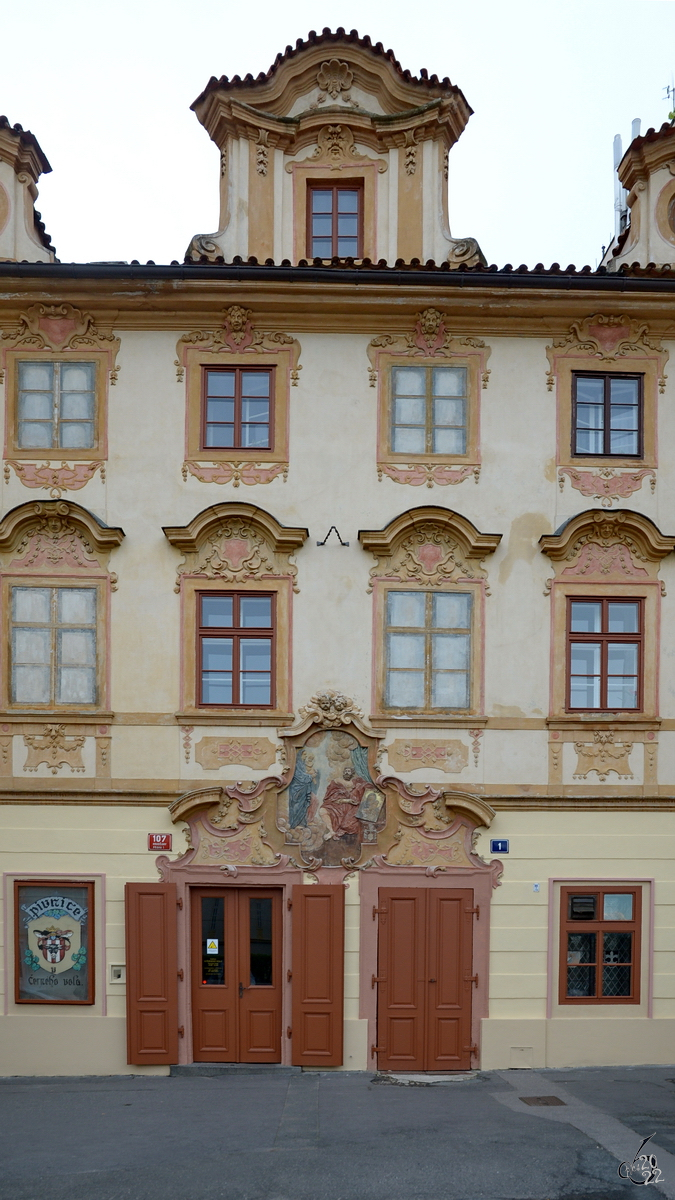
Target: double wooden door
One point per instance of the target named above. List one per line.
(236, 975)
(424, 979)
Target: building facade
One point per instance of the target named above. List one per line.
(337, 724)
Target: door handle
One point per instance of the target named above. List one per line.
(432, 981)
(241, 990)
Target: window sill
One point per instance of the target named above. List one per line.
(236, 717)
(420, 720)
(634, 721)
(56, 715)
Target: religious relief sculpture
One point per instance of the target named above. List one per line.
(332, 806)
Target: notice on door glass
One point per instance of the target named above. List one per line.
(212, 946)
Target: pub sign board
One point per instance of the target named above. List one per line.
(54, 942)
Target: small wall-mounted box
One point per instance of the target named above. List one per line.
(117, 973)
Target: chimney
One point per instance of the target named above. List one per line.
(22, 234)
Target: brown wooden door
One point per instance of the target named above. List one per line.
(424, 979)
(152, 973)
(318, 974)
(236, 975)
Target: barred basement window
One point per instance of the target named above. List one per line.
(600, 945)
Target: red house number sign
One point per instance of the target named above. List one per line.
(159, 841)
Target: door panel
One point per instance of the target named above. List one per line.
(260, 975)
(236, 975)
(449, 960)
(401, 970)
(424, 990)
(152, 973)
(318, 974)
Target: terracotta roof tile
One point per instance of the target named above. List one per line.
(28, 139)
(327, 38)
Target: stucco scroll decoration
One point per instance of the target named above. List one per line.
(262, 152)
(55, 749)
(448, 755)
(212, 753)
(604, 756)
(607, 484)
(235, 473)
(336, 150)
(55, 480)
(607, 338)
(429, 546)
(418, 474)
(60, 327)
(607, 546)
(236, 542)
(430, 337)
(54, 536)
(238, 335)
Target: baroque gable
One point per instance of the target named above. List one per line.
(54, 537)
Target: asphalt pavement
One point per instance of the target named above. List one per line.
(340, 1136)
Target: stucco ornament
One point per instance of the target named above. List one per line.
(335, 149)
(604, 756)
(213, 753)
(608, 338)
(60, 327)
(429, 545)
(238, 334)
(450, 756)
(56, 536)
(620, 545)
(235, 542)
(334, 77)
(418, 474)
(430, 336)
(55, 749)
(235, 473)
(607, 484)
(55, 480)
(330, 708)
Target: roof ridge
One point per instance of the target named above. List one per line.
(326, 37)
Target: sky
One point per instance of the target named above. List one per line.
(106, 88)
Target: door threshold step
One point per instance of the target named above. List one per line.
(221, 1069)
(424, 1079)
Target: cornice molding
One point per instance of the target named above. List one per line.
(189, 538)
(475, 544)
(633, 529)
(55, 515)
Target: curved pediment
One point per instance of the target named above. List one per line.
(56, 518)
(638, 533)
(429, 545)
(234, 542)
(330, 72)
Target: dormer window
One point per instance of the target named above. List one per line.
(335, 221)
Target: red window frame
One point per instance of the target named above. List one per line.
(599, 926)
(237, 633)
(345, 185)
(604, 638)
(238, 372)
(606, 452)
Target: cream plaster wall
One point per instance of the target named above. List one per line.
(333, 480)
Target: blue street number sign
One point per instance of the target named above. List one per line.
(499, 847)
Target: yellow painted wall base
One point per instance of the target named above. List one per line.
(77, 1045)
(576, 1043)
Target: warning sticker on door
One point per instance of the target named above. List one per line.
(212, 945)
